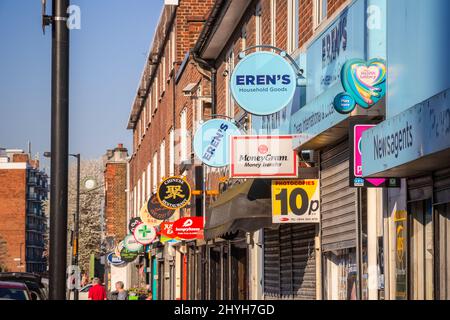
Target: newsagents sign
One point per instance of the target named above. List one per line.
(263, 83)
(420, 131)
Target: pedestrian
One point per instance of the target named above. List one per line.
(120, 293)
(97, 291)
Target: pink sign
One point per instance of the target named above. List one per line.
(359, 129)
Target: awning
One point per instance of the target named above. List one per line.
(244, 207)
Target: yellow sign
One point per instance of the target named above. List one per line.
(147, 218)
(296, 201)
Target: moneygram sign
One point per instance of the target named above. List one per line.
(263, 157)
(263, 83)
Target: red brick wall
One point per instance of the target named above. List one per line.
(13, 215)
(116, 200)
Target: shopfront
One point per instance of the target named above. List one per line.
(414, 144)
(323, 131)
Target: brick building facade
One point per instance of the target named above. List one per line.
(23, 188)
(115, 177)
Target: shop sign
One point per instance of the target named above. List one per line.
(174, 193)
(420, 131)
(131, 244)
(134, 222)
(118, 248)
(263, 83)
(364, 83)
(212, 142)
(166, 229)
(356, 168)
(146, 217)
(401, 273)
(263, 156)
(144, 234)
(128, 256)
(115, 260)
(156, 210)
(188, 228)
(296, 201)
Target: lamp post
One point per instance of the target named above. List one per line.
(76, 221)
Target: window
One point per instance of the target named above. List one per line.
(149, 184)
(293, 25)
(229, 103)
(135, 202)
(244, 38)
(273, 21)
(258, 28)
(320, 9)
(163, 61)
(172, 152)
(162, 161)
(144, 198)
(139, 195)
(183, 135)
(139, 132)
(173, 48)
(156, 92)
(155, 172)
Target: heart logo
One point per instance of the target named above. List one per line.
(364, 80)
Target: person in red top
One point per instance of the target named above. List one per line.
(97, 291)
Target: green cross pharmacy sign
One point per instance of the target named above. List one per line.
(144, 234)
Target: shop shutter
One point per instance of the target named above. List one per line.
(289, 262)
(420, 188)
(442, 186)
(338, 210)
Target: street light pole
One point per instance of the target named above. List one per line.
(76, 222)
(59, 149)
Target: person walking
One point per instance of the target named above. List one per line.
(120, 293)
(97, 291)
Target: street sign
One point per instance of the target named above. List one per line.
(296, 201)
(263, 157)
(212, 142)
(174, 193)
(263, 83)
(157, 211)
(144, 234)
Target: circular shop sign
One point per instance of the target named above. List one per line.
(115, 260)
(127, 255)
(131, 244)
(263, 83)
(212, 142)
(344, 103)
(147, 218)
(174, 193)
(156, 210)
(144, 234)
(134, 222)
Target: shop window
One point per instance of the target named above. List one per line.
(340, 275)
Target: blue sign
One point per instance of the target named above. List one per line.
(212, 142)
(344, 103)
(263, 83)
(415, 133)
(115, 260)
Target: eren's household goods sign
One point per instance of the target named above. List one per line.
(296, 201)
(263, 156)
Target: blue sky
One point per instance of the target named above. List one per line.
(107, 58)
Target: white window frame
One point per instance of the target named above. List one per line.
(155, 172)
(173, 48)
(258, 27)
(162, 159)
(273, 22)
(156, 94)
(183, 135)
(229, 102)
(139, 195)
(149, 180)
(164, 75)
(135, 202)
(320, 11)
(172, 152)
(144, 198)
(293, 25)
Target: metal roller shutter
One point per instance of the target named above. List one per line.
(420, 188)
(339, 201)
(289, 262)
(442, 186)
